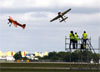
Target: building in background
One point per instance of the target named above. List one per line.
(8, 56)
(23, 53)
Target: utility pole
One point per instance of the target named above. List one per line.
(99, 45)
(99, 48)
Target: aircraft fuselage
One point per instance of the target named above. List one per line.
(60, 15)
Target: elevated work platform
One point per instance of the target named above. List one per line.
(84, 49)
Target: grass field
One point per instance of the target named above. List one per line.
(50, 71)
(49, 67)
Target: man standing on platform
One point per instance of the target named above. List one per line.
(84, 37)
(76, 40)
(71, 35)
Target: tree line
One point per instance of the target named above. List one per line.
(75, 56)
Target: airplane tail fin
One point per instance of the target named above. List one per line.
(23, 26)
(64, 19)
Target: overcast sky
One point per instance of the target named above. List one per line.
(40, 34)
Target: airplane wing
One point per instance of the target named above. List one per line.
(14, 24)
(66, 11)
(55, 18)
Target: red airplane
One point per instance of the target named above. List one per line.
(15, 23)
